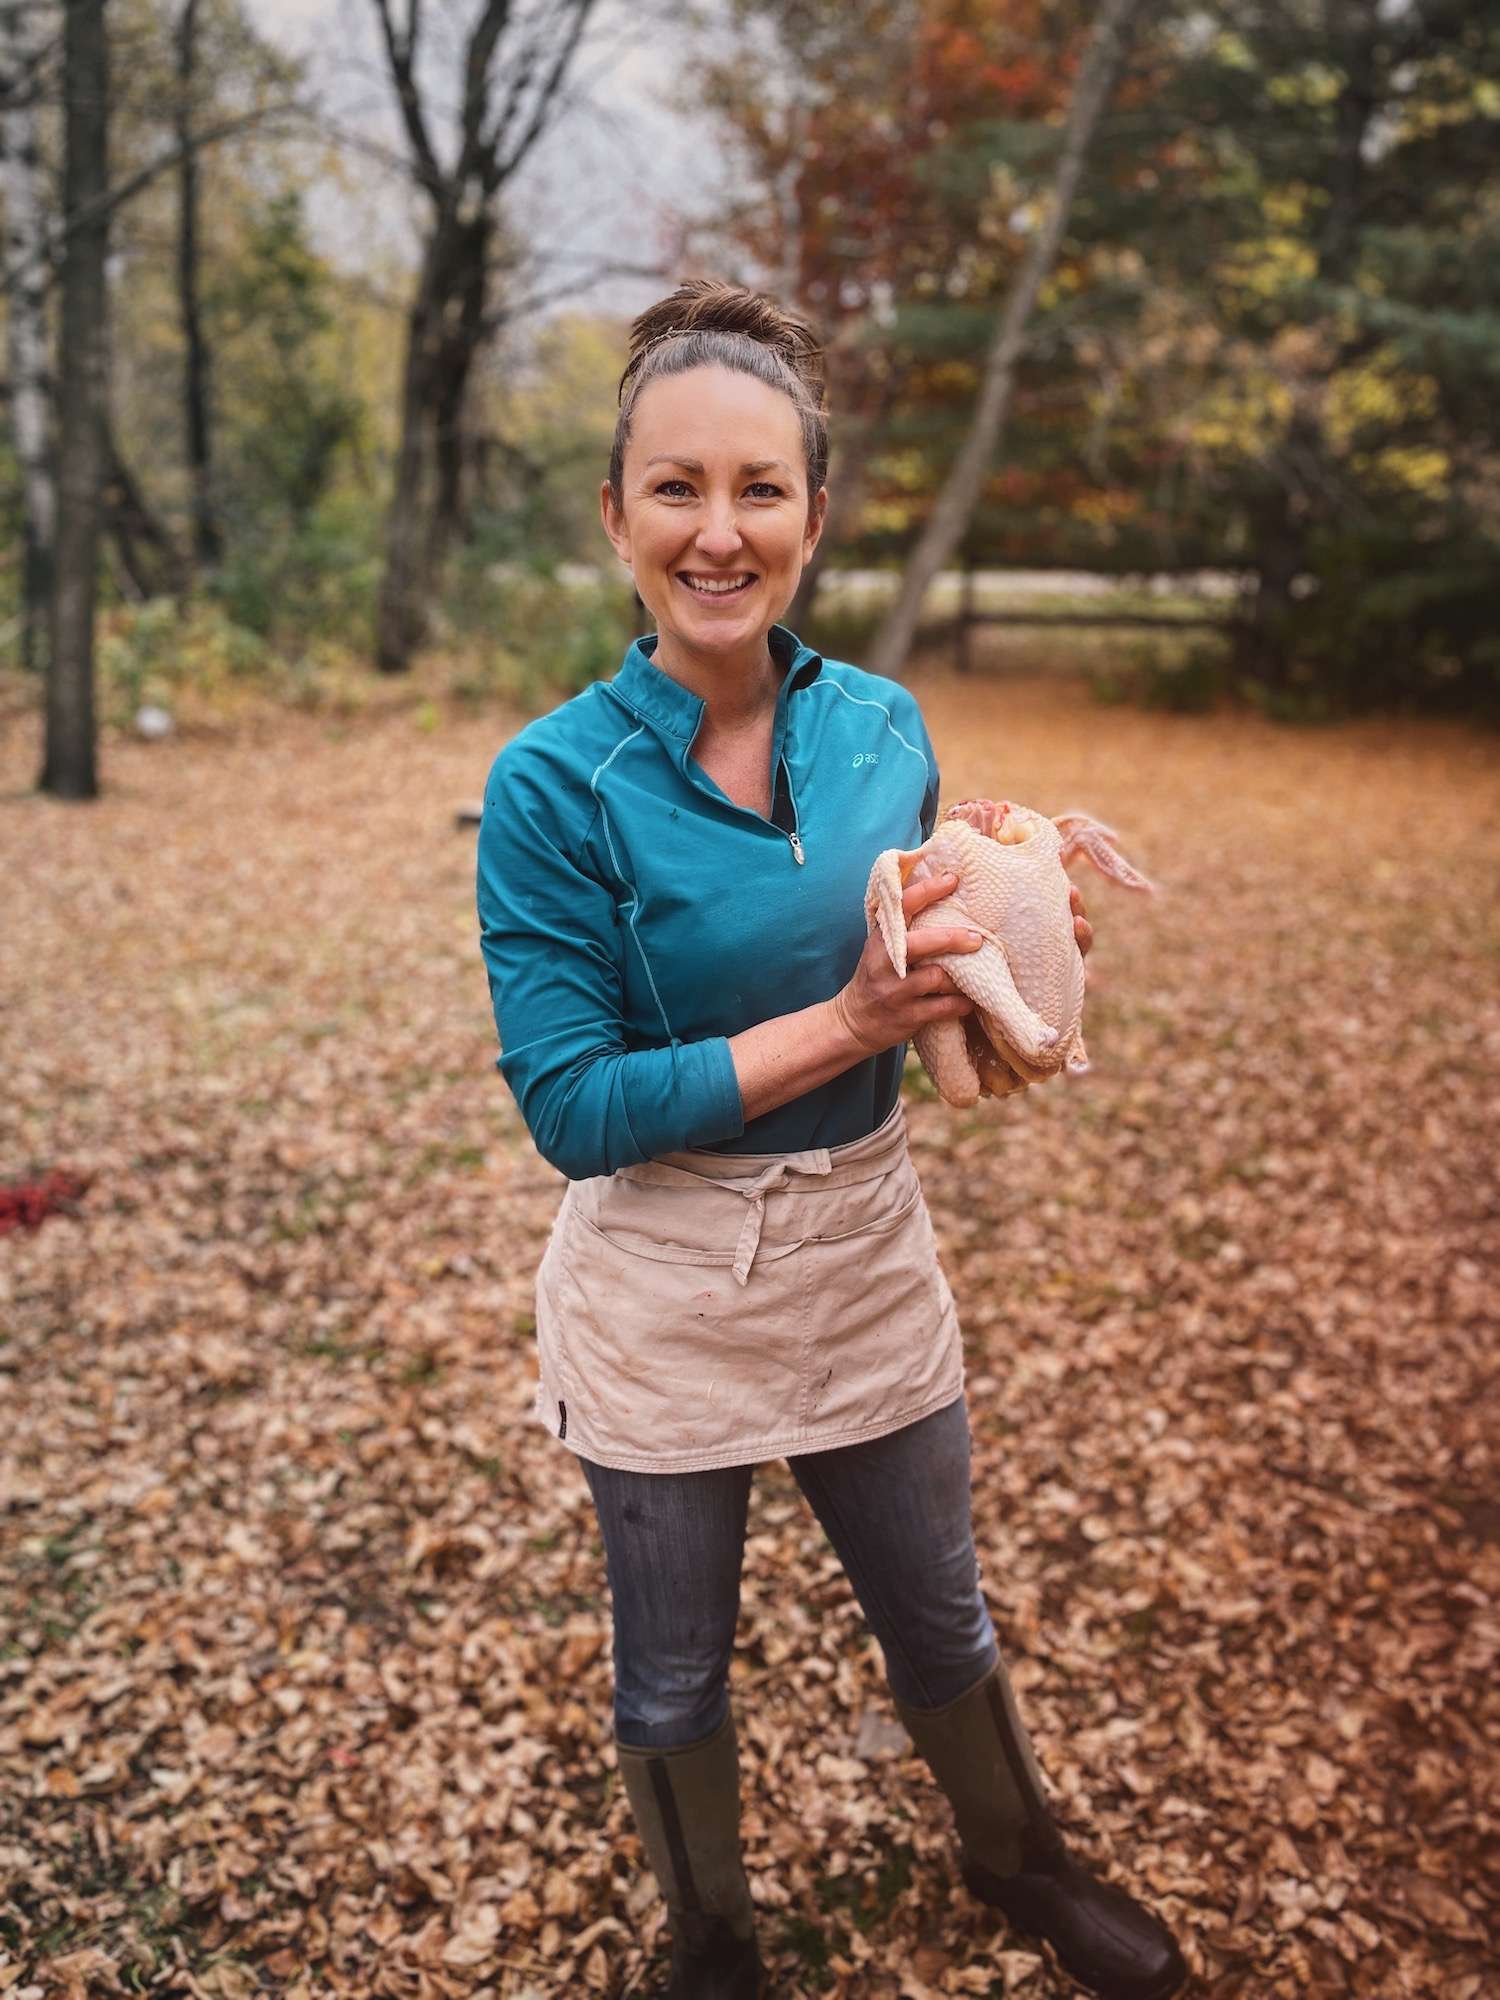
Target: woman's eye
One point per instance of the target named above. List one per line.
(763, 485)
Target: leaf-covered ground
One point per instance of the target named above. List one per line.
(304, 1681)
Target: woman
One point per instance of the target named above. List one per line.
(699, 1035)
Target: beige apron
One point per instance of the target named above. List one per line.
(708, 1309)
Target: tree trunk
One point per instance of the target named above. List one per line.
(148, 556)
(25, 243)
(445, 330)
(447, 326)
(69, 767)
(466, 337)
(401, 616)
(207, 542)
(954, 507)
(846, 492)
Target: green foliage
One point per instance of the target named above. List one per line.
(534, 638)
(1387, 629)
(1164, 673)
(843, 628)
(274, 320)
(150, 653)
(1269, 343)
(553, 426)
(292, 579)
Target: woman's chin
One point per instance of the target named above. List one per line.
(719, 631)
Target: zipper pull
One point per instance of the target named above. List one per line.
(796, 840)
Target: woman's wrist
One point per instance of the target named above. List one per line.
(790, 1054)
(843, 1024)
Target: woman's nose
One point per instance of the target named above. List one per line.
(719, 536)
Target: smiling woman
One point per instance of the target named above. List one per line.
(702, 1037)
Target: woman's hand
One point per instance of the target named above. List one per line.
(877, 1008)
(1083, 930)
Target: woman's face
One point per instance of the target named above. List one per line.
(715, 491)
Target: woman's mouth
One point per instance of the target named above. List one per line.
(713, 588)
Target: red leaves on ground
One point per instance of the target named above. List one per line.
(27, 1204)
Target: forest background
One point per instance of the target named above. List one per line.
(310, 365)
(1261, 370)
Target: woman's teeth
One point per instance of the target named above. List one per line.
(706, 589)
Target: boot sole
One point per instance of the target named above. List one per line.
(1171, 1983)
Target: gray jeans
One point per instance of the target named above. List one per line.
(897, 1511)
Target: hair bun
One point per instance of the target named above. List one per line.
(711, 305)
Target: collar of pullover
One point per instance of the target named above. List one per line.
(652, 693)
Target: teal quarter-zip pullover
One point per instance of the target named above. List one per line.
(632, 917)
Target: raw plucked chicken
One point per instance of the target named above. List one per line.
(1026, 979)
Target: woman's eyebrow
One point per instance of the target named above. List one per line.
(692, 464)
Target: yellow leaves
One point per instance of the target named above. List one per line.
(1420, 469)
(1239, 414)
(1379, 395)
(1265, 268)
(1313, 83)
(909, 469)
(880, 517)
(1108, 506)
(1232, 50)
(1376, 393)
(959, 378)
(1286, 207)
(1064, 281)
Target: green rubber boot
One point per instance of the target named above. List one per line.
(687, 1810)
(1015, 1859)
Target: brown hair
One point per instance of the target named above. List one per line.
(709, 322)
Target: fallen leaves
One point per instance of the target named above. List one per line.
(304, 1628)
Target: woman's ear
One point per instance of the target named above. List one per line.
(614, 524)
(816, 513)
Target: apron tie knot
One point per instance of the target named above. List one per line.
(755, 1192)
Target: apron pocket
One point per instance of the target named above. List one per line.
(670, 1353)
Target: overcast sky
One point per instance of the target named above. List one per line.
(621, 157)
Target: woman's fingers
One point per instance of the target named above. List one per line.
(1083, 930)
(932, 939)
(947, 1007)
(927, 889)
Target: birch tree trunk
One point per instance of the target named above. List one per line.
(953, 509)
(68, 767)
(23, 34)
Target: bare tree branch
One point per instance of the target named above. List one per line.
(126, 190)
(402, 56)
(538, 301)
(481, 53)
(504, 169)
(24, 85)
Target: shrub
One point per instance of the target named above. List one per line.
(188, 663)
(1166, 673)
(534, 638)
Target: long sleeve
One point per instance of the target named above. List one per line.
(912, 723)
(551, 938)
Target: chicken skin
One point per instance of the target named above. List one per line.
(1026, 980)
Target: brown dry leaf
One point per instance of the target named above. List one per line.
(473, 1940)
(306, 1675)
